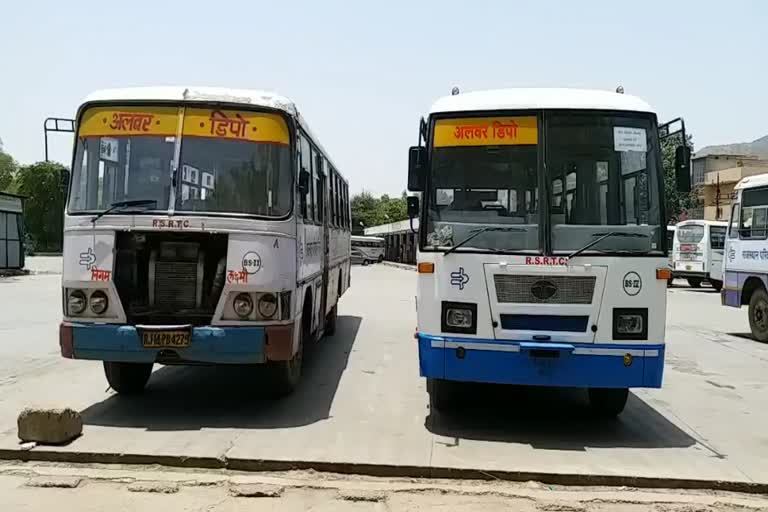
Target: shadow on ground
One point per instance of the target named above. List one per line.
(552, 418)
(192, 398)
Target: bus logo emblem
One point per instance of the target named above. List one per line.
(543, 290)
(459, 278)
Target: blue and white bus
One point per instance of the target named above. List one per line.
(543, 249)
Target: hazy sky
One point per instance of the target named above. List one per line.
(363, 74)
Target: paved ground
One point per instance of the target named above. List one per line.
(83, 488)
(363, 402)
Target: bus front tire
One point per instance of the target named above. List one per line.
(441, 395)
(758, 315)
(694, 282)
(283, 376)
(717, 285)
(608, 402)
(127, 378)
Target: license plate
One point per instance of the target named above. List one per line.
(165, 339)
(687, 267)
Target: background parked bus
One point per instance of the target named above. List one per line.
(542, 244)
(746, 262)
(202, 226)
(371, 247)
(670, 244)
(698, 252)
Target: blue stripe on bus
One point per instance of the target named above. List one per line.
(541, 364)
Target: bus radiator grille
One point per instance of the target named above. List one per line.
(527, 289)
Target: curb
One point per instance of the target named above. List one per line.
(401, 266)
(382, 470)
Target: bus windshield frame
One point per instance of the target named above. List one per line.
(257, 162)
(521, 190)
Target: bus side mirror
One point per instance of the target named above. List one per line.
(303, 181)
(683, 168)
(417, 158)
(413, 206)
(412, 203)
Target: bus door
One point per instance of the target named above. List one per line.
(324, 195)
(716, 250)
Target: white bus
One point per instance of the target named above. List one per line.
(542, 243)
(746, 262)
(203, 226)
(371, 247)
(698, 252)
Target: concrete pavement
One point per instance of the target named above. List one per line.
(362, 402)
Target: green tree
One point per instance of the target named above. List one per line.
(44, 206)
(372, 211)
(677, 203)
(8, 169)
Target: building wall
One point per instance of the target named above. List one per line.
(724, 172)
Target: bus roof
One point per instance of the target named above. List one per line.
(525, 99)
(182, 94)
(701, 221)
(758, 180)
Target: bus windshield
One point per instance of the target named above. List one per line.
(221, 168)
(690, 233)
(601, 171)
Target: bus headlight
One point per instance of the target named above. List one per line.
(267, 305)
(460, 317)
(98, 302)
(76, 302)
(243, 305)
(630, 323)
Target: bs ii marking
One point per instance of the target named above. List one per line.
(632, 283)
(459, 278)
(251, 262)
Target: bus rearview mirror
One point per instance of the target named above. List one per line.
(417, 157)
(413, 206)
(683, 168)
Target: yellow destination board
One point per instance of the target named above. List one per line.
(116, 121)
(235, 124)
(486, 131)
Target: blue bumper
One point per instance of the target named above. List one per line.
(541, 364)
(224, 345)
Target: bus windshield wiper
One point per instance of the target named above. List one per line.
(486, 229)
(603, 236)
(124, 204)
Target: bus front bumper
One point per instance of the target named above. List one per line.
(208, 344)
(541, 364)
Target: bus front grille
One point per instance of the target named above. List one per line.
(544, 289)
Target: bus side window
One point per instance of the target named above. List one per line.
(307, 205)
(320, 186)
(717, 237)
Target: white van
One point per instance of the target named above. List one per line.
(698, 252)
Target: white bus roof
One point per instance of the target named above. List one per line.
(359, 238)
(524, 99)
(701, 221)
(191, 94)
(758, 180)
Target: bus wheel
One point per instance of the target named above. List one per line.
(330, 321)
(283, 376)
(608, 402)
(758, 315)
(127, 378)
(717, 285)
(441, 395)
(381, 258)
(695, 282)
(365, 262)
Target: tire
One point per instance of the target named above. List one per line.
(283, 376)
(330, 321)
(717, 285)
(758, 315)
(441, 395)
(381, 258)
(127, 378)
(365, 263)
(608, 402)
(694, 282)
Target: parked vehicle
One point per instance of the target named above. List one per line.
(698, 252)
